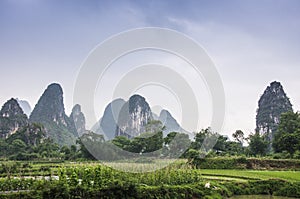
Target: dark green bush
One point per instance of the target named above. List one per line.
(289, 190)
(45, 168)
(245, 163)
(220, 163)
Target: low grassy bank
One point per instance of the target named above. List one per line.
(119, 189)
(246, 163)
(293, 176)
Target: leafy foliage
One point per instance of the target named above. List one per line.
(223, 145)
(30, 143)
(99, 181)
(238, 135)
(257, 144)
(287, 137)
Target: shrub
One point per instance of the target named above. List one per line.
(244, 163)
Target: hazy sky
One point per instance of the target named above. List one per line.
(252, 42)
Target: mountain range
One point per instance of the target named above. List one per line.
(120, 118)
(129, 118)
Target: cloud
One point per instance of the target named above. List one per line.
(247, 63)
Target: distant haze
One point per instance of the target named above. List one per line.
(25, 106)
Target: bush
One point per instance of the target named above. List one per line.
(45, 169)
(289, 190)
(220, 163)
(245, 163)
(297, 154)
(258, 187)
(282, 155)
(56, 190)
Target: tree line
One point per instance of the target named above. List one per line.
(24, 145)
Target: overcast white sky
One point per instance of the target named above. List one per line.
(251, 42)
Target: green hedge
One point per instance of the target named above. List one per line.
(56, 189)
(245, 163)
(265, 187)
(59, 191)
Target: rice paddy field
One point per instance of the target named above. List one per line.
(160, 179)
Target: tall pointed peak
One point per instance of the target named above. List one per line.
(271, 105)
(275, 87)
(164, 113)
(50, 105)
(78, 120)
(170, 123)
(55, 87)
(11, 108)
(12, 118)
(133, 117)
(50, 112)
(76, 108)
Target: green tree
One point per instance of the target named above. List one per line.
(90, 141)
(154, 126)
(200, 137)
(176, 144)
(48, 149)
(66, 152)
(121, 141)
(3, 148)
(147, 142)
(17, 145)
(168, 139)
(150, 141)
(238, 135)
(234, 148)
(221, 144)
(257, 144)
(287, 137)
(191, 154)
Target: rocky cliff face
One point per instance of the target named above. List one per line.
(50, 112)
(133, 117)
(12, 118)
(78, 120)
(129, 119)
(169, 122)
(108, 123)
(271, 105)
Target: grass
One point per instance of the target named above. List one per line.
(177, 180)
(213, 174)
(251, 174)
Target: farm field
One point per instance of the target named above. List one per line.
(251, 174)
(178, 180)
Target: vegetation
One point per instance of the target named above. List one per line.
(91, 180)
(225, 171)
(35, 166)
(257, 144)
(246, 163)
(30, 143)
(287, 138)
